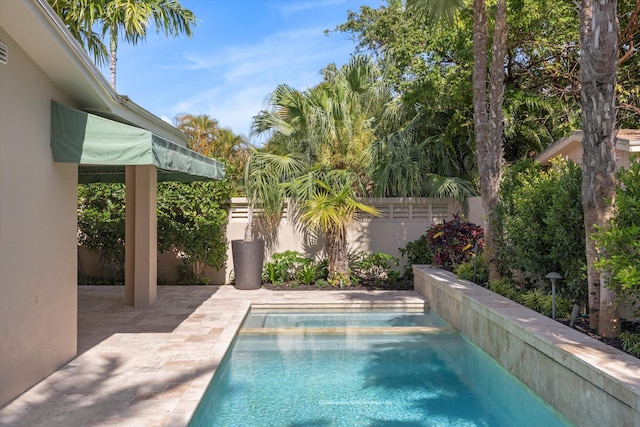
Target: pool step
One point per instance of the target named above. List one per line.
(349, 330)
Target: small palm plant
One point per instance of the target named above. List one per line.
(331, 209)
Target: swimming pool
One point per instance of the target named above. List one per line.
(363, 369)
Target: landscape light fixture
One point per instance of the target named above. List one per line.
(554, 277)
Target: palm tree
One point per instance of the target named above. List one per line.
(598, 63)
(487, 105)
(202, 132)
(205, 136)
(127, 18)
(331, 207)
(131, 18)
(79, 16)
(325, 131)
(322, 200)
(405, 163)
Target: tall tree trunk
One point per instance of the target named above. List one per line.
(337, 257)
(598, 63)
(488, 124)
(113, 47)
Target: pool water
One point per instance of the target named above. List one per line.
(429, 377)
(310, 319)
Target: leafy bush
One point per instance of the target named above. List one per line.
(542, 225)
(374, 268)
(507, 288)
(619, 242)
(444, 245)
(479, 265)
(536, 299)
(101, 228)
(286, 266)
(192, 219)
(417, 252)
(294, 268)
(542, 301)
(453, 242)
(308, 274)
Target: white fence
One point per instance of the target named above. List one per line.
(402, 220)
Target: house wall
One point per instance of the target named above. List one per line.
(38, 203)
(571, 149)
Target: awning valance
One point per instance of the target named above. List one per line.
(103, 147)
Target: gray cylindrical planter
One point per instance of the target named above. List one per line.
(248, 256)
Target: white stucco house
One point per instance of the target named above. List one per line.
(61, 123)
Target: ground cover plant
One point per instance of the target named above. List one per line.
(293, 270)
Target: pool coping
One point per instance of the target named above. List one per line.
(591, 383)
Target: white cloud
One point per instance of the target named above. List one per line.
(247, 74)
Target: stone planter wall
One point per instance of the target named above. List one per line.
(591, 383)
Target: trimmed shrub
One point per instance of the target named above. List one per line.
(542, 225)
(619, 242)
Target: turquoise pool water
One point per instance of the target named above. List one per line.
(280, 374)
(307, 319)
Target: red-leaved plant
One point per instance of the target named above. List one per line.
(454, 242)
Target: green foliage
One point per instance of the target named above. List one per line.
(294, 268)
(192, 219)
(417, 252)
(507, 288)
(619, 242)
(466, 270)
(374, 268)
(543, 225)
(453, 242)
(101, 227)
(308, 274)
(630, 343)
(445, 245)
(288, 266)
(430, 66)
(542, 301)
(536, 299)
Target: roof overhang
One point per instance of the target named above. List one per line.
(103, 148)
(34, 26)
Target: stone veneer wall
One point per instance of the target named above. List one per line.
(591, 383)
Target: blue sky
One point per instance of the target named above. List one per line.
(240, 52)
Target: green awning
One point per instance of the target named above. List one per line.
(103, 147)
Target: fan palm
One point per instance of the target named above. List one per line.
(326, 131)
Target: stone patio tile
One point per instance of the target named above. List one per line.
(149, 367)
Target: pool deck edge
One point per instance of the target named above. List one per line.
(590, 382)
(150, 366)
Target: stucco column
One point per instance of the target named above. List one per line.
(141, 225)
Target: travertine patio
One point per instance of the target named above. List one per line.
(150, 366)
